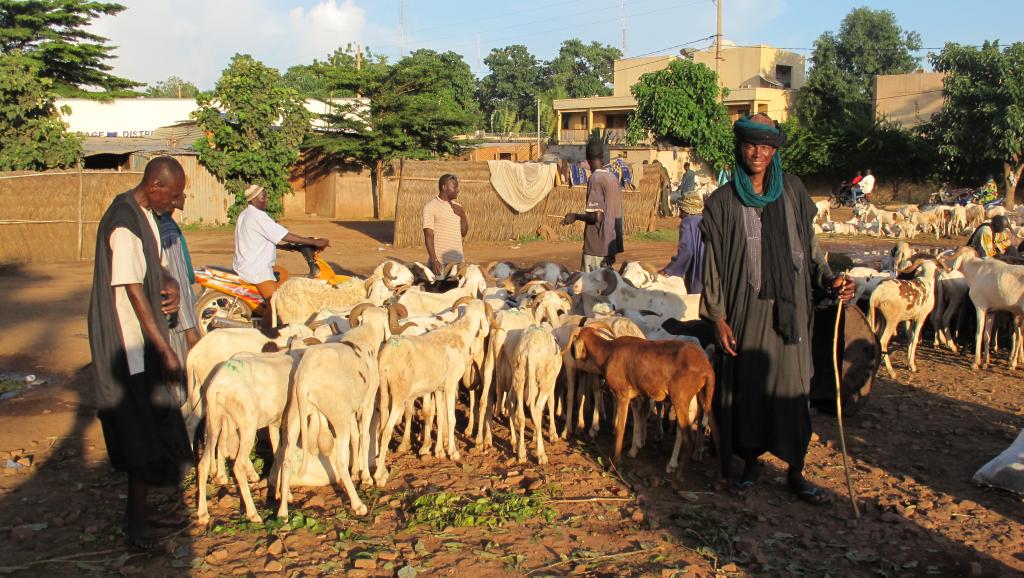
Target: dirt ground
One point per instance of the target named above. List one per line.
(914, 448)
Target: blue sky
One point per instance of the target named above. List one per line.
(194, 39)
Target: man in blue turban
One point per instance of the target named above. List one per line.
(761, 262)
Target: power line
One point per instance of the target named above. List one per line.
(562, 28)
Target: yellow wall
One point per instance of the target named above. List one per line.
(629, 70)
(741, 66)
(908, 99)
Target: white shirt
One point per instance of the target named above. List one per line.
(256, 239)
(128, 267)
(867, 184)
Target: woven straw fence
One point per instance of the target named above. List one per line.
(52, 216)
(491, 219)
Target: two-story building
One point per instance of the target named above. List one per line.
(759, 79)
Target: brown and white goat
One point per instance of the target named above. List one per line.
(678, 370)
(904, 300)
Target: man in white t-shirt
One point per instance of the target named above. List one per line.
(867, 184)
(256, 239)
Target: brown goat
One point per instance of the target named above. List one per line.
(631, 366)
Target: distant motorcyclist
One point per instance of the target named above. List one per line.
(988, 192)
(256, 239)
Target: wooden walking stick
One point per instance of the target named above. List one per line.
(839, 410)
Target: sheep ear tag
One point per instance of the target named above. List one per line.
(339, 279)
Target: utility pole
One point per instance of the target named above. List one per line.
(401, 28)
(623, 4)
(538, 127)
(718, 49)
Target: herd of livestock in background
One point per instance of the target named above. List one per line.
(354, 360)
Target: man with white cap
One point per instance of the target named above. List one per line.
(256, 240)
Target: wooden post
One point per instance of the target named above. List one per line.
(81, 187)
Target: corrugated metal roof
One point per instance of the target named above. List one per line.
(95, 145)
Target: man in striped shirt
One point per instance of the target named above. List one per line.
(444, 225)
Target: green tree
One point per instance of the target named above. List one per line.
(514, 81)
(417, 108)
(321, 78)
(32, 135)
(54, 35)
(981, 125)
(869, 43)
(680, 105)
(582, 70)
(254, 126)
(173, 87)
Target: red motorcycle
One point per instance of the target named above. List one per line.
(229, 301)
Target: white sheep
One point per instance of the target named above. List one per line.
(433, 363)
(245, 393)
(537, 362)
(299, 299)
(338, 381)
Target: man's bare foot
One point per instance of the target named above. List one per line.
(141, 537)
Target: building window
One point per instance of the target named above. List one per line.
(505, 156)
(565, 121)
(784, 74)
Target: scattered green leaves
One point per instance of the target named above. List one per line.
(443, 509)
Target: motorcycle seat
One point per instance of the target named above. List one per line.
(219, 269)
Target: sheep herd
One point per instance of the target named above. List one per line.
(907, 221)
(353, 360)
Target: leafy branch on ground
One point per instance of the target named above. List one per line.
(441, 510)
(297, 520)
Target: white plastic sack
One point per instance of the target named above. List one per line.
(1006, 471)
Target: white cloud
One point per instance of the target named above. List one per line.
(195, 39)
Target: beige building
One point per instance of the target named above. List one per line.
(759, 79)
(907, 99)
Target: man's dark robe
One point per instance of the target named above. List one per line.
(761, 395)
(143, 429)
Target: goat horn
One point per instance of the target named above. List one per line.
(651, 270)
(353, 315)
(449, 269)
(402, 289)
(369, 283)
(402, 310)
(914, 264)
(401, 328)
(393, 320)
(389, 278)
(611, 281)
(462, 300)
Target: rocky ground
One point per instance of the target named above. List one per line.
(913, 448)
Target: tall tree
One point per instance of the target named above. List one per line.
(32, 135)
(981, 125)
(54, 35)
(514, 81)
(835, 106)
(869, 43)
(416, 108)
(254, 126)
(173, 87)
(582, 70)
(681, 106)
